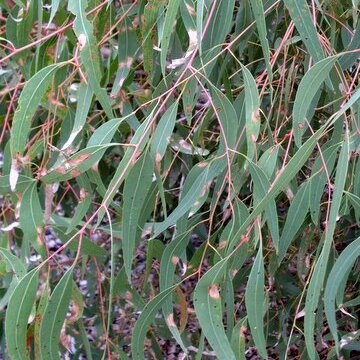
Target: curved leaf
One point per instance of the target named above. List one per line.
(29, 100)
(54, 316)
(337, 277)
(254, 301)
(137, 186)
(208, 309)
(19, 308)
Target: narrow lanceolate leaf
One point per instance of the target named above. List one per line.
(163, 132)
(67, 168)
(252, 106)
(296, 162)
(169, 261)
(54, 8)
(128, 47)
(295, 217)
(259, 15)
(85, 94)
(210, 170)
(318, 179)
(208, 308)
(139, 140)
(29, 100)
(227, 119)
(31, 215)
(317, 280)
(54, 316)
(137, 185)
(238, 339)
(301, 16)
(309, 86)
(170, 17)
(89, 52)
(254, 301)
(146, 318)
(13, 263)
(337, 277)
(84, 203)
(148, 30)
(15, 266)
(261, 187)
(18, 311)
(200, 5)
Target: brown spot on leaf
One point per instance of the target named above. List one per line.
(75, 173)
(214, 291)
(170, 320)
(78, 160)
(255, 116)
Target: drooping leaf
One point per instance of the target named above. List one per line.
(300, 14)
(208, 308)
(317, 279)
(31, 216)
(19, 308)
(83, 29)
(54, 316)
(337, 276)
(309, 86)
(170, 17)
(252, 106)
(254, 301)
(136, 188)
(163, 132)
(28, 103)
(294, 219)
(146, 318)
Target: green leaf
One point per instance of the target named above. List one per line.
(208, 308)
(18, 311)
(151, 12)
(300, 14)
(163, 132)
(85, 95)
(261, 188)
(227, 120)
(254, 301)
(31, 216)
(67, 168)
(295, 217)
(309, 86)
(291, 169)
(85, 191)
(15, 266)
(22, 184)
(317, 279)
(169, 261)
(90, 58)
(136, 188)
(238, 339)
(139, 140)
(252, 106)
(210, 170)
(54, 8)
(146, 318)
(170, 18)
(128, 47)
(28, 103)
(338, 276)
(54, 316)
(259, 15)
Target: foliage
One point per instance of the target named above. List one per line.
(180, 178)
